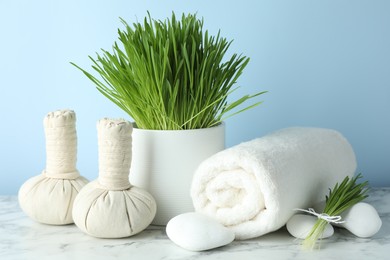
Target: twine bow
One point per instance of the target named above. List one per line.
(324, 216)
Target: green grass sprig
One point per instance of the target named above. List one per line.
(340, 198)
(170, 75)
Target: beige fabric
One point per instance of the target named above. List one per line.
(61, 145)
(110, 207)
(48, 198)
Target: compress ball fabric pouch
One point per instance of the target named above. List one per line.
(48, 197)
(110, 207)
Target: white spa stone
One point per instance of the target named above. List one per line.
(362, 220)
(197, 232)
(300, 225)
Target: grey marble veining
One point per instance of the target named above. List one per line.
(22, 238)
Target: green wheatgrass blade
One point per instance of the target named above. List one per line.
(340, 198)
(170, 75)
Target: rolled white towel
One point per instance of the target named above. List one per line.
(254, 187)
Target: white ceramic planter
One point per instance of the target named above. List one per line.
(164, 162)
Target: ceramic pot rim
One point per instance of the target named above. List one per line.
(219, 125)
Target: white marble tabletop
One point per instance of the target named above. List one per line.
(22, 238)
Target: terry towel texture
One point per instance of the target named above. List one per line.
(254, 187)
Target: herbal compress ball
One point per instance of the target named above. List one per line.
(48, 197)
(110, 207)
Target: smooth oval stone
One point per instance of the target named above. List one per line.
(197, 232)
(362, 220)
(300, 226)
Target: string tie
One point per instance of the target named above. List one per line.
(324, 216)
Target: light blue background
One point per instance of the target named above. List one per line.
(324, 63)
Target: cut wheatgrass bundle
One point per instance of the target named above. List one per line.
(340, 198)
